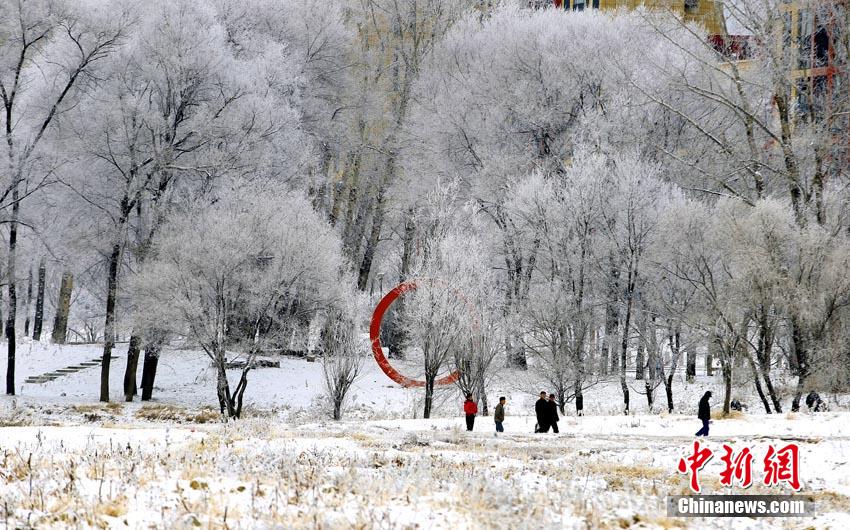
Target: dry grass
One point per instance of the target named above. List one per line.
(733, 415)
(163, 412)
(622, 477)
(108, 408)
(830, 501)
(641, 521)
(252, 474)
(116, 507)
(17, 418)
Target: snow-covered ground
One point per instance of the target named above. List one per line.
(71, 462)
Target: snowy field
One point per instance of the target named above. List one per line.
(69, 461)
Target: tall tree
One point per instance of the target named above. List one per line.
(62, 43)
(254, 257)
(172, 111)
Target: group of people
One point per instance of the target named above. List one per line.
(545, 409)
(547, 413)
(470, 409)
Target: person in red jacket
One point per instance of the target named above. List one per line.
(470, 409)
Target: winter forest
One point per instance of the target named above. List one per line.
(616, 206)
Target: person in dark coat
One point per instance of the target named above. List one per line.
(541, 409)
(815, 403)
(470, 408)
(704, 413)
(499, 414)
(553, 413)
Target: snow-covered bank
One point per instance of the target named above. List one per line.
(69, 461)
(186, 379)
(388, 474)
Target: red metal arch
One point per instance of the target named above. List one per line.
(375, 338)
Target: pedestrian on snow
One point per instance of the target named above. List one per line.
(470, 408)
(541, 409)
(704, 413)
(499, 414)
(553, 413)
(815, 403)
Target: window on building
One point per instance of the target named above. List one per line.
(803, 99)
(805, 29)
(813, 98)
(821, 46)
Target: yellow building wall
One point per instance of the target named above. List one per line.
(708, 13)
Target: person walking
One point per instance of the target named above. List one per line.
(470, 408)
(541, 409)
(499, 414)
(553, 413)
(704, 413)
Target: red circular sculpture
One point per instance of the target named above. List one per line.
(375, 337)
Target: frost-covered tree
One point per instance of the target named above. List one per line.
(772, 127)
(48, 52)
(254, 259)
(395, 37)
(635, 197)
(481, 342)
(176, 113)
(759, 128)
(314, 38)
(439, 317)
(565, 213)
(502, 96)
(342, 356)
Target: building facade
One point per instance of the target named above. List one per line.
(708, 13)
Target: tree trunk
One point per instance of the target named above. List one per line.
(373, 239)
(429, 396)
(13, 295)
(640, 362)
(801, 355)
(709, 358)
(612, 317)
(757, 382)
(624, 345)
(149, 369)
(518, 359)
(109, 325)
(771, 391)
(691, 366)
(395, 333)
(482, 394)
(668, 391)
(223, 387)
(762, 361)
(674, 339)
(651, 341)
(130, 389)
(63, 309)
(39, 302)
(579, 398)
(727, 383)
(29, 303)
